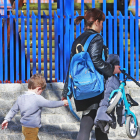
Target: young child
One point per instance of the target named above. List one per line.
(30, 105)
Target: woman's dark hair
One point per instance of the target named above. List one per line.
(90, 16)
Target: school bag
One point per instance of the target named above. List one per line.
(84, 81)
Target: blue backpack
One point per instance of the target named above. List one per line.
(84, 81)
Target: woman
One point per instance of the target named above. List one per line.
(93, 19)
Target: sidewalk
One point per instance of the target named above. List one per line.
(57, 123)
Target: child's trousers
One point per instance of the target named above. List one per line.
(30, 133)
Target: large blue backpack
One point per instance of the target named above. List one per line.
(84, 80)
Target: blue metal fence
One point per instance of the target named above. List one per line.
(65, 33)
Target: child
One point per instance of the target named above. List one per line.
(30, 106)
(103, 120)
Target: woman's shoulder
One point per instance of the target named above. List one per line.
(98, 36)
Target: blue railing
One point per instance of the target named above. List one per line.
(65, 32)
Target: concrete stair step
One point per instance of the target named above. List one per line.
(42, 66)
(42, 28)
(35, 12)
(42, 35)
(45, 6)
(42, 58)
(30, 21)
(42, 44)
(42, 51)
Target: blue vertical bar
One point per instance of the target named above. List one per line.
(65, 49)
(45, 44)
(22, 48)
(110, 38)
(82, 14)
(34, 42)
(61, 43)
(68, 42)
(39, 36)
(137, 40)
(131, 45)
(121, 42)
(56, 46)
(93, 3)
(1, 52)
(126, 35)
(77, 27)
(11, 49)
(104, 23)
(17, 44)
(50, 37)
(115, 26)
(5, 41)
(28, 40)
(72, 23)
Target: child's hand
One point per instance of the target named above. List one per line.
(65, 102)
(4, 124)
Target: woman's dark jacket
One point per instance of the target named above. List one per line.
(95, 51)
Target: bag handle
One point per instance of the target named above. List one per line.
(81, 48)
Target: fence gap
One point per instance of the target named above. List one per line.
(56, 47)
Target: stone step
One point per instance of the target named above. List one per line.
(42, 58)
(30, 21)
(42, 35)
(42, 51)
(46, 12)
(42, 28)
(57, 123)
(42, 44)
(42, 66)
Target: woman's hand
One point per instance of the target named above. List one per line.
(117, 69)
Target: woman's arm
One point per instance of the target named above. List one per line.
(95, 51)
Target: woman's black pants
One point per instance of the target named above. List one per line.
(86, 125)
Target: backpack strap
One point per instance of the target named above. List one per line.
(88, 41)
(70, 106)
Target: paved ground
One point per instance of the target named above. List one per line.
(57, 123)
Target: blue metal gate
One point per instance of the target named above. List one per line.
(115, 34)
